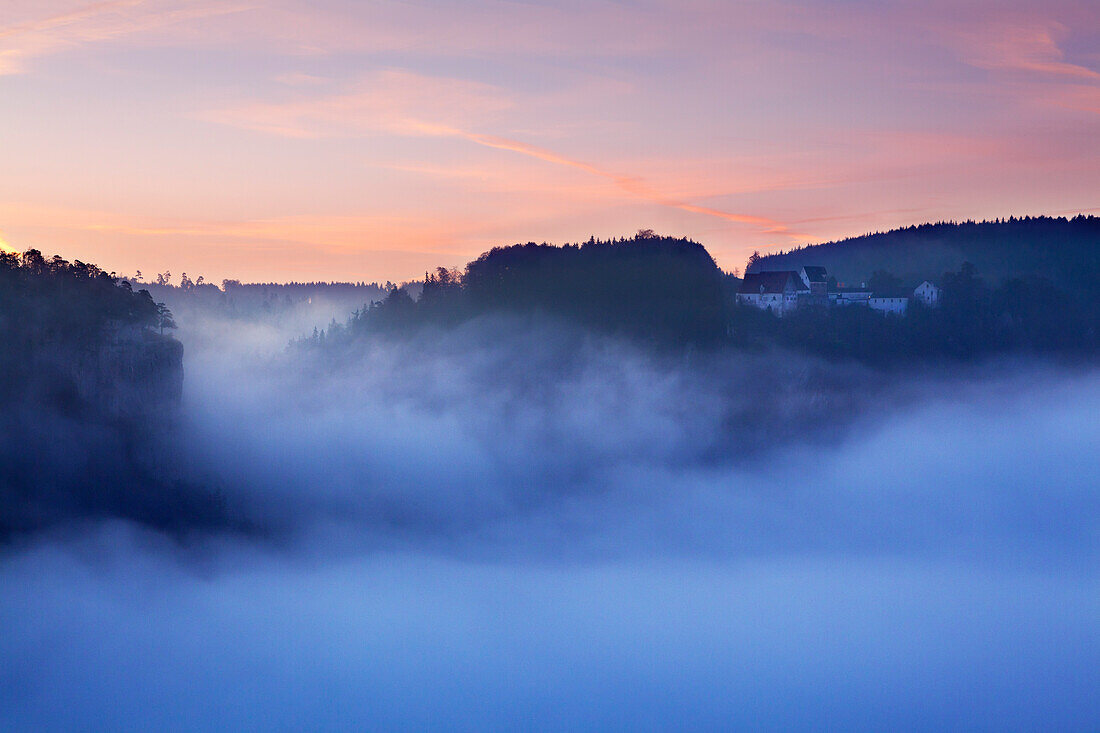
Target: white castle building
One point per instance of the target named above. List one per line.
(783, 291)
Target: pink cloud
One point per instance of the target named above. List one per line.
(1023, 47)
(745, 124)
(403, 103)
(390, 101)
(46, 32)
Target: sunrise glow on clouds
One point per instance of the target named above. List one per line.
(284, 139)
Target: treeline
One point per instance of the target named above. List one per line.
(308, 288)
(186, 282)
(1064, 251)
(262, 301)
(88, 382)
(669, 291)
(68, 299)
(973, 319)
(654, 288)
(56, 315)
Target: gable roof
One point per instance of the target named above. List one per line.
(774, 281)
(815, 274)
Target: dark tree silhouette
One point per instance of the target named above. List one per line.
(85, 381)
(164, 317)
(655, 288)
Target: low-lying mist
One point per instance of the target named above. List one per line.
(514, 524)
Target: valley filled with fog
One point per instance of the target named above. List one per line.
(519, 523)
(545, 365)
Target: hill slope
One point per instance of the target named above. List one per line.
(655, 288)
(88, 386)
(1065, 251)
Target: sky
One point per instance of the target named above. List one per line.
(282, 140)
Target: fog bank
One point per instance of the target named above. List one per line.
(498, 527)
(398, 640)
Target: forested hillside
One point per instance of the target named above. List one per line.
(76, 337)
(669, 292)
(1064, 251)
(660, 289)
(88, 385)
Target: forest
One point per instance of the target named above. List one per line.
(248, 301)
(89, 384)
(975, 319)
(91, 377)
(61, 321)
(661, 290)
(668, 292)
(1063, 251)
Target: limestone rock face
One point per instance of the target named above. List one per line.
(125, 373)
(139, 374)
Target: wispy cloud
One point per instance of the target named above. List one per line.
(407, 104)
(94, 23)
(1029, 57)
(1031, 47)
(389, 101)
(738, 123)
(311, 246)
(320, 232)
(299, 79)
(630, 184)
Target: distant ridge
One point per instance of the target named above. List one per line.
(1062, 250)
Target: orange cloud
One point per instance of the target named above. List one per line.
(287, 247)
(325, 232)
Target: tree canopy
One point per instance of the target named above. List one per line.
(1064, 251)
(651, 287)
